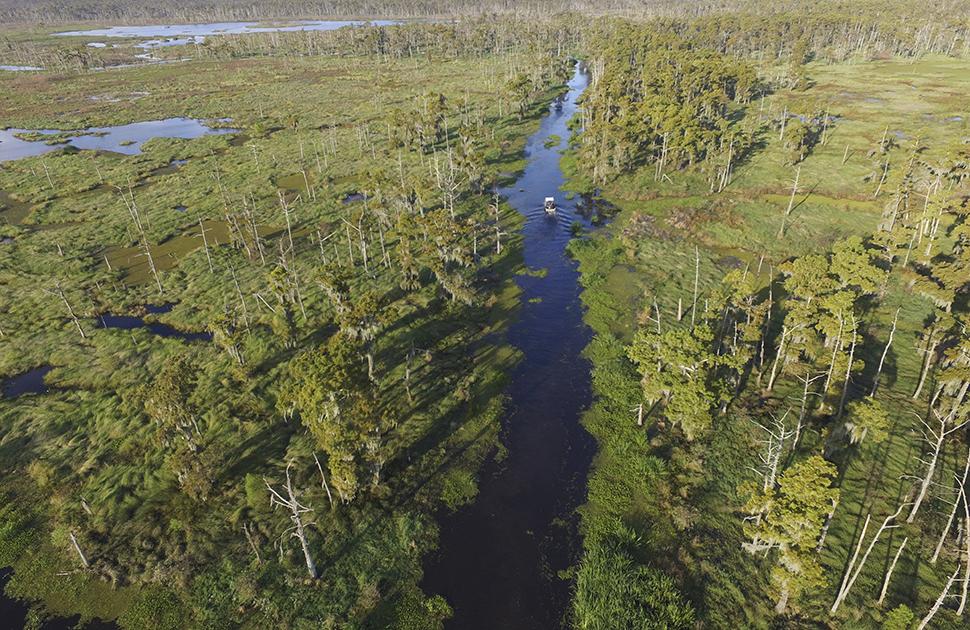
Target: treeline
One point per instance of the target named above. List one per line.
(832, 33)
(495, 34)
(47, 11)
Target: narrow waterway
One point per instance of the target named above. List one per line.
(498, 559)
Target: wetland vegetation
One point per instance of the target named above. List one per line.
(288, 340)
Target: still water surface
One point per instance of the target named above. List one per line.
(222, 28)
(126, 139)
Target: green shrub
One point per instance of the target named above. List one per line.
(156, 608)
(459, 488)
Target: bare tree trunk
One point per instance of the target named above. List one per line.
(927, 362)
(774, 365)
(939, 600)
(80, 553)
(70, 310)
(323, 480)
(286, 215)
(205, 244)
(297, 511)
(882, 180)
(935, 439)
(962, 483)
(836, 347)
(966, 572)
(791, 204)
(856, 570)
(806, 381)
(151, 262)
(889, 573)
(242, 300)
(782, 600)
(848, 372)
(825, 528)
(697, 275)
(252, 543)
(848, 570)
(885, 351)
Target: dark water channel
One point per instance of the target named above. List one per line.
(498, 558)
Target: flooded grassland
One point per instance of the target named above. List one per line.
(223, 224)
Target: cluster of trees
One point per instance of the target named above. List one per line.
(198, 10)
(657, 99)
(830, 31)
(470, 37)
(808, 328)
(810, 335)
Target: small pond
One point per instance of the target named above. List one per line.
(126, 139)
(29, 382)
(131, 322)
(13, 613)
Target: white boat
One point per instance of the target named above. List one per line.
(550, 205)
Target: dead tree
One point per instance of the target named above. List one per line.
(939, 600)
(323, 480)
(931, 344)
(80, 553)
(961, 484)
(848, 371)
(885, 351)
(889, 573)
(697, 277)
(205, 245)
(966, 556)
(853, 570)
(825, 527)
(807, 381)
(252, 542)
(297, 510)
(57, 290)
(774, 443)
(934, 437)
(791, 203)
